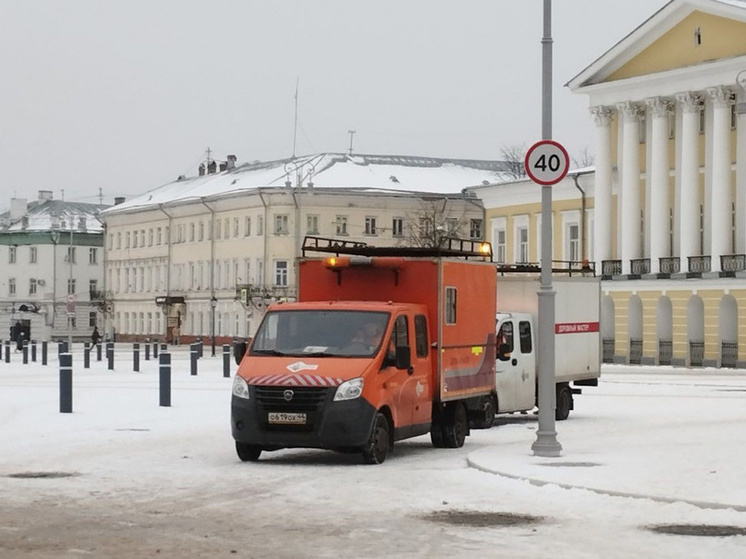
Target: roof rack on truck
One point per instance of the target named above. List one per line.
(459, 248)
(565, 267)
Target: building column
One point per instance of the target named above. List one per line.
(741, 173)
(687, 200)
(630, 222)
(719, 207)
(658, 197)
(602, 248)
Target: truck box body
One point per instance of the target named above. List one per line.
(463, 334)
(577, 310)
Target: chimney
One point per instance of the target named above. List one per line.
(17, 208)
(223, 166)
(81, 224)
(231, 162)
(45, 195)
(119, 200)
(24, 222)
(212, 166)
(201, 169)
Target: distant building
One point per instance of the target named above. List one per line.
(181, 255)
(662, 214)
(51, 275)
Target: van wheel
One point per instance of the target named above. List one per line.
(248, 452)
(487, 411)
(564, 403)
(377, 447)
(436, 435)
(456, 426)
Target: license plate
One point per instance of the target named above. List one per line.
(287, 418)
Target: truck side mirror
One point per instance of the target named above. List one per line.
(403, 357)
(503, 352)
(239, 350)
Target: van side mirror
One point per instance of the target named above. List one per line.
(403, 357)
(239, 350)
(503, 352)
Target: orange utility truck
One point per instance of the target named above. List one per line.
(384, 343)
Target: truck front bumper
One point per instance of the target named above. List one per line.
(328, 425)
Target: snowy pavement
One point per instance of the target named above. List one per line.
(654, 446)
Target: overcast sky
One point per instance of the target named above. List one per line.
(125, 95)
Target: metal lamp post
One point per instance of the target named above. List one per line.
(213, 304)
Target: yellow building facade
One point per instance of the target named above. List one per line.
(662, 214)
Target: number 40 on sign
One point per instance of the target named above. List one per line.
(546, 162)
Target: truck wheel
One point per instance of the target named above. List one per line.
(436, 435)
(456, 426)
(487, 413)
(564, 402)
(377, 447)
(248, 452)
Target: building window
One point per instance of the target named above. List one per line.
(32, 286)
(312, 224)
(522, 245)
(500, 245)
(12, 252)
(218, 229)
(150, 237)
(71, 287)
(281, 224)
(11, 286)
(191, 232)
(573, 242)
(33, 255)
(201, 231)
(127, 239)
(119, 240)
(70, 255)
(142, 237)
(260, 225)
(341, 225)
(236, 228)
(475, 228)
(281, 273)
(247, 227)
(397, 227)
(134, 239)
(92, 319)
(92, 256)
(158, 236)
(370, 226)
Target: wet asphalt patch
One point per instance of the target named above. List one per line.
(478, 519)
(701, 530)
(42, 475)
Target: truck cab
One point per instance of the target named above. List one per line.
(515, 367)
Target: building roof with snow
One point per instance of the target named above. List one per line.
(385, 174)
(47, 214)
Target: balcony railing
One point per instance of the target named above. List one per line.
(635, 351)
(670, 264)
(733, 262)
(608, 351)
(699, 264)
(696, 353)
(639, 266)
(728, 354)
(665, 352)
(611, 268)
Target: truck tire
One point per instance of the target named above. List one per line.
(456, 426)
(248, 452)
(564, 402)
(377, 447)
(436, 435)
(488, 411)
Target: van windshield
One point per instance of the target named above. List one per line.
(320, 333)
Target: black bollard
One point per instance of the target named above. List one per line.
(66, 383)
(155, 350)
(87, 355)
(136, 357)
(226, 360)
(193, 355)
(200, 347)
(147, 351)
(110, 355)
(7, 351)
(25, 352)
(164, 347)
(44, 348)
(60, 349)
(1, 350)
(164, 361)
(98, 351)
(33, 351)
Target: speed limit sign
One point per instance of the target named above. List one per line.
(546, 162)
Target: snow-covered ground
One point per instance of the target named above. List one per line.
(123, 477)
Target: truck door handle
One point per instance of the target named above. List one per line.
(410, 371)
(514, 362)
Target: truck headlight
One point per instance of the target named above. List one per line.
(240, 388)
(349, 390)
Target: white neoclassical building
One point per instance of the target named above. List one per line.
(179, 257)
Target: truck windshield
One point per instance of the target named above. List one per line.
(320, 333)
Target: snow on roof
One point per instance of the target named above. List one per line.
(333, 170)
(46, 215)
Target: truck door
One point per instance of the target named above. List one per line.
(526, 378)
(506, 370)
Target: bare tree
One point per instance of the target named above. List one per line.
(513, 156)
(584, 159)
(433, 223)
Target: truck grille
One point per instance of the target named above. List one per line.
(305, 399)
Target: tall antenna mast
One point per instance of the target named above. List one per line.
(209, 153)
(295, 124)
(351, 133)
